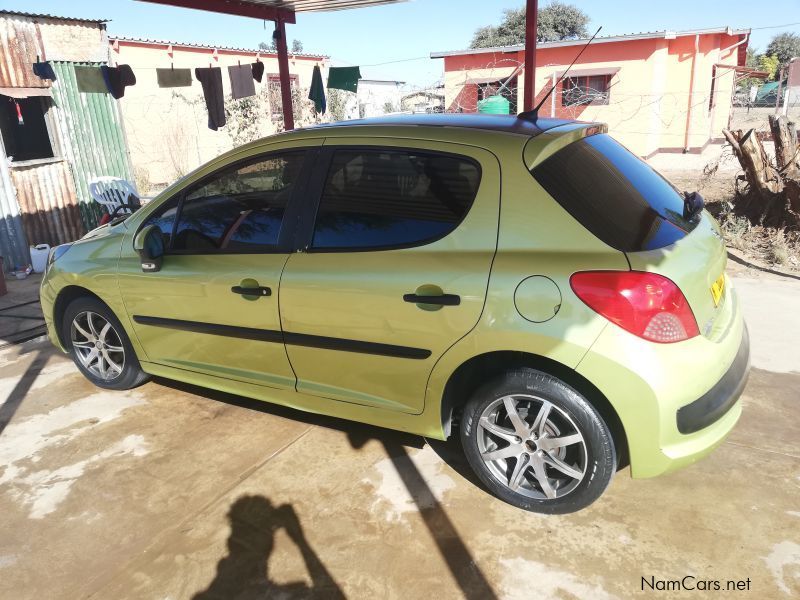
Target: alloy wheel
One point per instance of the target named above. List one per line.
(97, 345)
(532, 446)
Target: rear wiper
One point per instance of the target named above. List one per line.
(693, 205)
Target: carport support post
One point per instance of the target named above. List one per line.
(283, 70)
(531, 27)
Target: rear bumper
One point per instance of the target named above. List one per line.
(717, 401)
(676, 402)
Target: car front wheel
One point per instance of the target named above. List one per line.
(537, 443)
(99, 346)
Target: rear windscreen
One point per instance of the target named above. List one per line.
(614, 194)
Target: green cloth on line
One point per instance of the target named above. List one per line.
(317, 91)
(90, 80)
(168, 78)
(344, 78)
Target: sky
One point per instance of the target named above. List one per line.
(395, 41)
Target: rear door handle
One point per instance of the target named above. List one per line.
(441, 300)
(251, 291)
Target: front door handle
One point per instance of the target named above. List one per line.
(440, 300)
(251, 291)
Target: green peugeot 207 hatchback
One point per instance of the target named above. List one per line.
(528, 285)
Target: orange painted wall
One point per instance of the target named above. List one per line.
(650, 104)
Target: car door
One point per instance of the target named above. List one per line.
(213, 306)
(394, 267)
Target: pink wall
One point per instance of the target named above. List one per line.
(652, 102)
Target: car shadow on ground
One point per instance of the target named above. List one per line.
(455, 553)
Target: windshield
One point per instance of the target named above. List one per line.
(614, 194)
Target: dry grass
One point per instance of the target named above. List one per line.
(766, 244)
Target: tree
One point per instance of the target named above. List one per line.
(556, 21)
(785, 46)
(297, 46)
(769, 64)
(337, 104)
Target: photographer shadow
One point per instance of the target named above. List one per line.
(244, 572)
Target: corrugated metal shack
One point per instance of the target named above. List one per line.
(54, 139)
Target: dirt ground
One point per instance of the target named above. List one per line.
(169, 491)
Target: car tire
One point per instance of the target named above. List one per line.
(99, 346)
(557, 464)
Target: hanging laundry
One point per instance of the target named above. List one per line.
(258, 70)
(90, 80)
(317, 91)
(344, 78)
(169, 78)
(211, 80)
(242, 85)
(44, 70)
(117, 79)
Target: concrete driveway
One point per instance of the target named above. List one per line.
(173, 492)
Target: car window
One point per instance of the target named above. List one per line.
(239, 209)
(164, 219)
(614, 194)
(393, 198)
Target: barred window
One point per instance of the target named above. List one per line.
(591, 89)
(275, 101)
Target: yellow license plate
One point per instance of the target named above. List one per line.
(718, 289)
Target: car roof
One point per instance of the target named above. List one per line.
(486, 122)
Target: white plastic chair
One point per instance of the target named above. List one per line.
(113, 193)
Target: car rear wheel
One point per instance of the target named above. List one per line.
(537, 443)
(99, 346)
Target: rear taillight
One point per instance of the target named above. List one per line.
(646, 304)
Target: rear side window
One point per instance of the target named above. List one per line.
(614, 194)
(380, 199)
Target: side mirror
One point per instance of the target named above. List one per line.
(149, 243)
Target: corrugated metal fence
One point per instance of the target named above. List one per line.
(91, 134)
(13, 243)
(48, 201)
(20, 45)
(46, 197)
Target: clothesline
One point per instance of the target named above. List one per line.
(114, 80)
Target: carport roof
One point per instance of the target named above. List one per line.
(272, 9)
(319, 5)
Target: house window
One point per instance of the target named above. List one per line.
(712, 101)
(509, 92)
(24, 128)
(275, 102)
(582, 90)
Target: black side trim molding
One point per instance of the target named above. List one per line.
(712, 405)
(345, 345)
(243, 333)
(293, 339)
